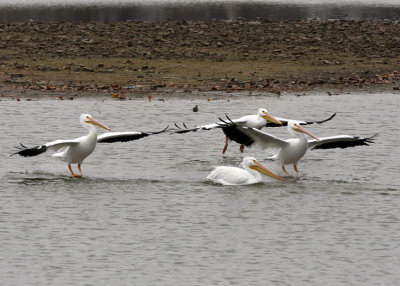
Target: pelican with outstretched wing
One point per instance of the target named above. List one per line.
(249, 174)
(258, 121)
(290, 151)
(76, 150)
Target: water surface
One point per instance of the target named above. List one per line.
(144, 213)
(165, 10)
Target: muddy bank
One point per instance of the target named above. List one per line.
(143, 57)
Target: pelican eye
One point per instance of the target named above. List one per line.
(254, 161)
(87, 117)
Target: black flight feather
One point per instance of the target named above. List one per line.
(30, 152)
(345, 144)
(285, 123)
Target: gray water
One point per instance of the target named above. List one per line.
(165, 10)
(144, 213)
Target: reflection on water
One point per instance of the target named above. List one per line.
(200, 11)
(144, 213)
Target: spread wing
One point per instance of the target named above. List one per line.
(111, 137)
(220, 124)
(253, 137)
(339, 141)
(285, 121)
(53, 146)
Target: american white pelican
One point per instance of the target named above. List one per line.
(258, 121)
(290, 151)
(76, 150)
(250, 174)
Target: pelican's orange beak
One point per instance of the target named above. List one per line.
(301, 129)
(260, 168)
(269, 117)
(93, 121)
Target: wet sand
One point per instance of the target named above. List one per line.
(123, 58)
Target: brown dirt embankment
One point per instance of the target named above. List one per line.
(139, 57)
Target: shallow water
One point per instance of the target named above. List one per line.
(144, 213)
(189, 10)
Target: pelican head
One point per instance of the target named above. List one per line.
(251, 163)
(294, 126)
(87, 119)
(262, 112)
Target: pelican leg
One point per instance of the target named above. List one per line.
(295, 168)
(226, 144)
(80, 171)
(284, 169)
(241, 148)
(72, 172)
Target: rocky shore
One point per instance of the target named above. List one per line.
(123, 58)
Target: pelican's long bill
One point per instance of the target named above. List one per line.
(93, 121)
(300, 128)
(269, 117)
(260, 168)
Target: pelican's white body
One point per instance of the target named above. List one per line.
(75, 154)
(85, 145)
(257, 121)
(253, 121)
(227, 175)
(294, 150)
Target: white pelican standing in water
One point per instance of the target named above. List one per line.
(76, 150)
(250, 174)
(290, 150)
(257, 121)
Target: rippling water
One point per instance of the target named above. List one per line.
(144, 213)
(118, 2)
(203, 10)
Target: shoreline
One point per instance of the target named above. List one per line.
(142, 58)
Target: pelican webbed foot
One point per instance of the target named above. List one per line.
(72, 172)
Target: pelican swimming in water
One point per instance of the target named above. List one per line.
(76, 150)
(262, 119)
(250, 174)
(290, 151)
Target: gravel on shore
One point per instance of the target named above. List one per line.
(143, 57)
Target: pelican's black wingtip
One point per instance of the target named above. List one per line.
(30, 152)
(158, 132)
(370, 139)
(333, 115)
(322, 121)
